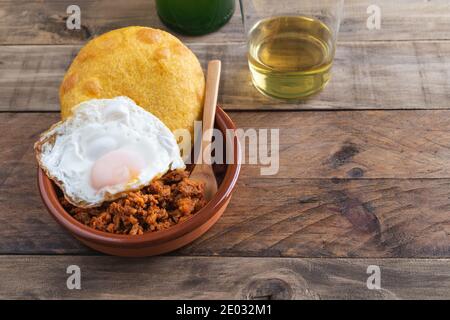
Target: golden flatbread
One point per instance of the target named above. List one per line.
(150, 66)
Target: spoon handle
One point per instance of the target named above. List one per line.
(209, 108)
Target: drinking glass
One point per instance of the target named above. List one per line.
(291, 44)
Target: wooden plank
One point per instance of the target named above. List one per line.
(315, 145)
(44, 277)
(323, 218)
(43, 22)
(398, 210)
(380, 75)
(400, 20)
(363, 144)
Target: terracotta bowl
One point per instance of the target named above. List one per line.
(159, 242)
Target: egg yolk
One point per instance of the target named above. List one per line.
(116, 167)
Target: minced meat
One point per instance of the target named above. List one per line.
(165, 202)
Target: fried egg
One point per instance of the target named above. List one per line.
(106, 148)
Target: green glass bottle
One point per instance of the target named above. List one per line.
(195, 17)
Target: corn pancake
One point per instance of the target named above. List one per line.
(150, 66)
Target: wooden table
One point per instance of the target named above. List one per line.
(364, 177)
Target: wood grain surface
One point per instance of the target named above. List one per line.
(45, 277)
(43, 21)
(351, 184)
(368, 75)
(364, 174)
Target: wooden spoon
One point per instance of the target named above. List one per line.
(203, 170)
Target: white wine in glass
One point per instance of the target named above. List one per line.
(291, 44)
(290, 57)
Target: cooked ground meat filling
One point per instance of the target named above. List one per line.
(167, 201)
